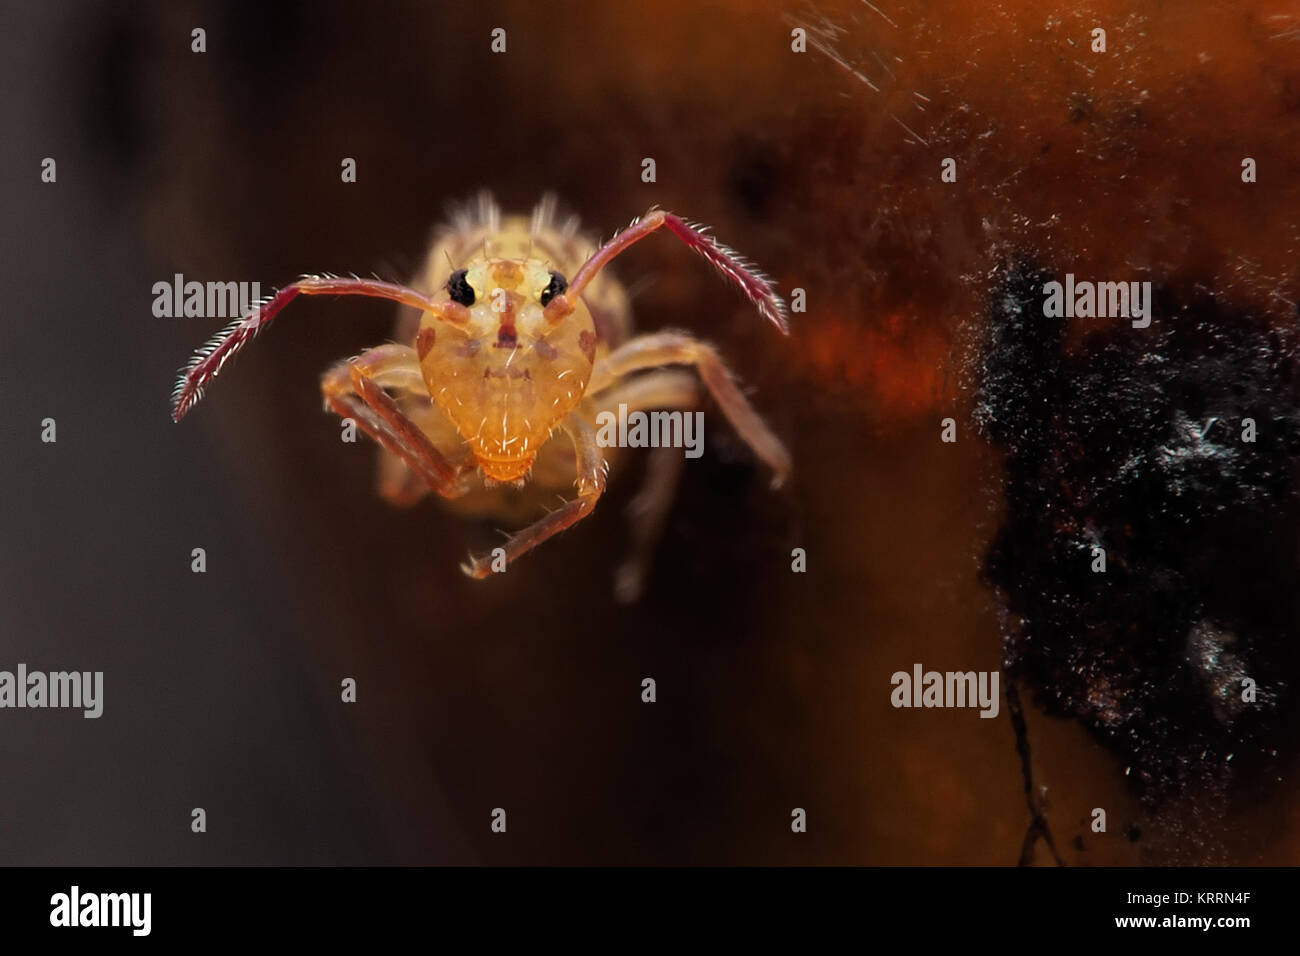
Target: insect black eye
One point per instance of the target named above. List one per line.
(459, 289)
(555, 287)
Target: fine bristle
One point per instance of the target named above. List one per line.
(756, 285)
(209, 358)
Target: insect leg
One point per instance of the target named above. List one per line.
(355, 389)
(649, 509)
(678, 348)
(591, 485)
(648, 512)
(394, 480)
(397, 483)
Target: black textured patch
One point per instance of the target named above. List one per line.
(1132, 441)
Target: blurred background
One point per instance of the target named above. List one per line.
(523, 692)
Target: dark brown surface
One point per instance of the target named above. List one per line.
(523, 692)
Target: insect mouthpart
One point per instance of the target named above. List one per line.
(511, 471)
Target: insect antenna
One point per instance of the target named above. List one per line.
(210, 358)
(751, 280)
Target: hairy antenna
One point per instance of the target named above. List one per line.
(735, 267)
(210, 358)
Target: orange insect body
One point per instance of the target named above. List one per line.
(507, 376)
(516, 334)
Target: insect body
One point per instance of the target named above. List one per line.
(517, 336)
